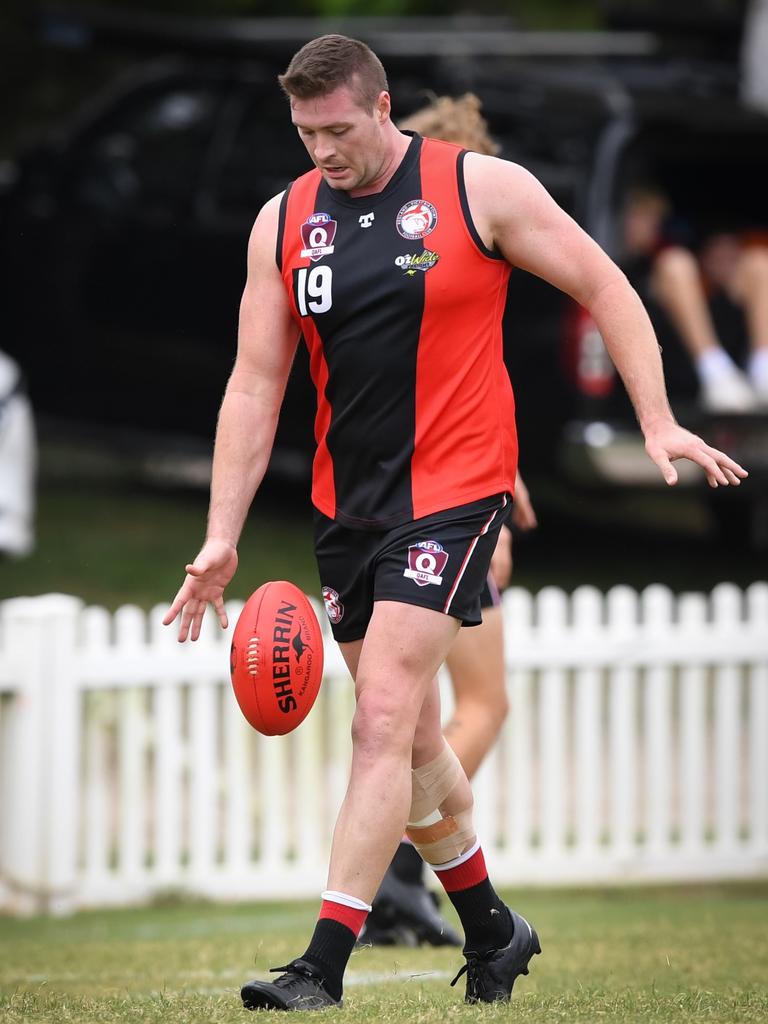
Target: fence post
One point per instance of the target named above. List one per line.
(38, 851)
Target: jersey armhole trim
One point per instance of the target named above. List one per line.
(490, 253)
(281, 229)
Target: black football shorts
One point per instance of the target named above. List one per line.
(440, 561)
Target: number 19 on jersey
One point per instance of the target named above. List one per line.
(313, 289)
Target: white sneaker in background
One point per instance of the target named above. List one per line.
(724, 388)
(758, 375)
(730, 392)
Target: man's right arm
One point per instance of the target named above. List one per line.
(267, 338)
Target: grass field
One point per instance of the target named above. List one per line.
(114, 545)
(111, 543)
(685, 954)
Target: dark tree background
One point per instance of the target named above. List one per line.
(40, 83)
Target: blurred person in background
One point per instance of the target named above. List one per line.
(415, 464)
(754, 55)
(685, 280)
(18, 462)
(404, 911)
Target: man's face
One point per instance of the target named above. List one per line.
(345, 141)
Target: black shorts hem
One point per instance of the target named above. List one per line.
(414, 602)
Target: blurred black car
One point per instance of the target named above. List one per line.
(123, 244)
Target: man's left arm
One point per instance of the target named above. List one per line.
(515, 214)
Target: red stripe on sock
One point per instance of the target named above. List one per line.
(471, 872)
(349, 916)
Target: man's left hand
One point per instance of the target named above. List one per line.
(669, 441)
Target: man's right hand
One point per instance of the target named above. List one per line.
(206, 579)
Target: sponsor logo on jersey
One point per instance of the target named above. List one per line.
(426, 561)
(317, 235)
(416, 219)
(366, 219)
(411, 262)
(333, 606)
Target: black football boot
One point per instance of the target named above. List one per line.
(301, 987)
(491, 975)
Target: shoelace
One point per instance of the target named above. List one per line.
(295, 973)
(470, 969)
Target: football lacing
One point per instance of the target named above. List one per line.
(253, 655)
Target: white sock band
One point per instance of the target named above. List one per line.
(458, 860)
(346, 901)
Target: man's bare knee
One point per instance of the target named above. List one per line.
(382, 723)
(488, 703)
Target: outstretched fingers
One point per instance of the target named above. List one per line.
(192, 610)
(206, 579)
(191, 620)
(221, 611)
(719, 467)
(176, 605)
(664, 463)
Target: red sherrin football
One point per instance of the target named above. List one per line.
(276, 660)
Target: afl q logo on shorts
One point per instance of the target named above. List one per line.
(426, 561)
(416, 219)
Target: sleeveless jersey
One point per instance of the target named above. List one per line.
(400, 305)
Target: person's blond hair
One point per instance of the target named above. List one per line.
(454, 120)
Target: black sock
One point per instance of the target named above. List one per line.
(407, 864)
(485, 918)
(329, 950)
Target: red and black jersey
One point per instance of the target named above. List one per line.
(400, 304)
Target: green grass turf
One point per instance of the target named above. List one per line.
(683, 954)
(113, 543)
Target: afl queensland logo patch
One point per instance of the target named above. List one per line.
(317, 234)
(416, 219)
(426, 561)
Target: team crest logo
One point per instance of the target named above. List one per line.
(317, 234)
(416, 219)
(411, 263)
(333, 606)
(426, 561)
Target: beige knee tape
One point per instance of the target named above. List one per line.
(447, 839)
(432, 783)
(438, 838)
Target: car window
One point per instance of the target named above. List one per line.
(712, 174)
(148, 157)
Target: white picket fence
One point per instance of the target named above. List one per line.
(636, 749)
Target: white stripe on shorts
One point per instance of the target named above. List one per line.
(468, 555)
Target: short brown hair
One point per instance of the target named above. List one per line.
(454, 120)
(324, 64)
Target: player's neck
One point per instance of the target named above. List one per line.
(396, 149)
